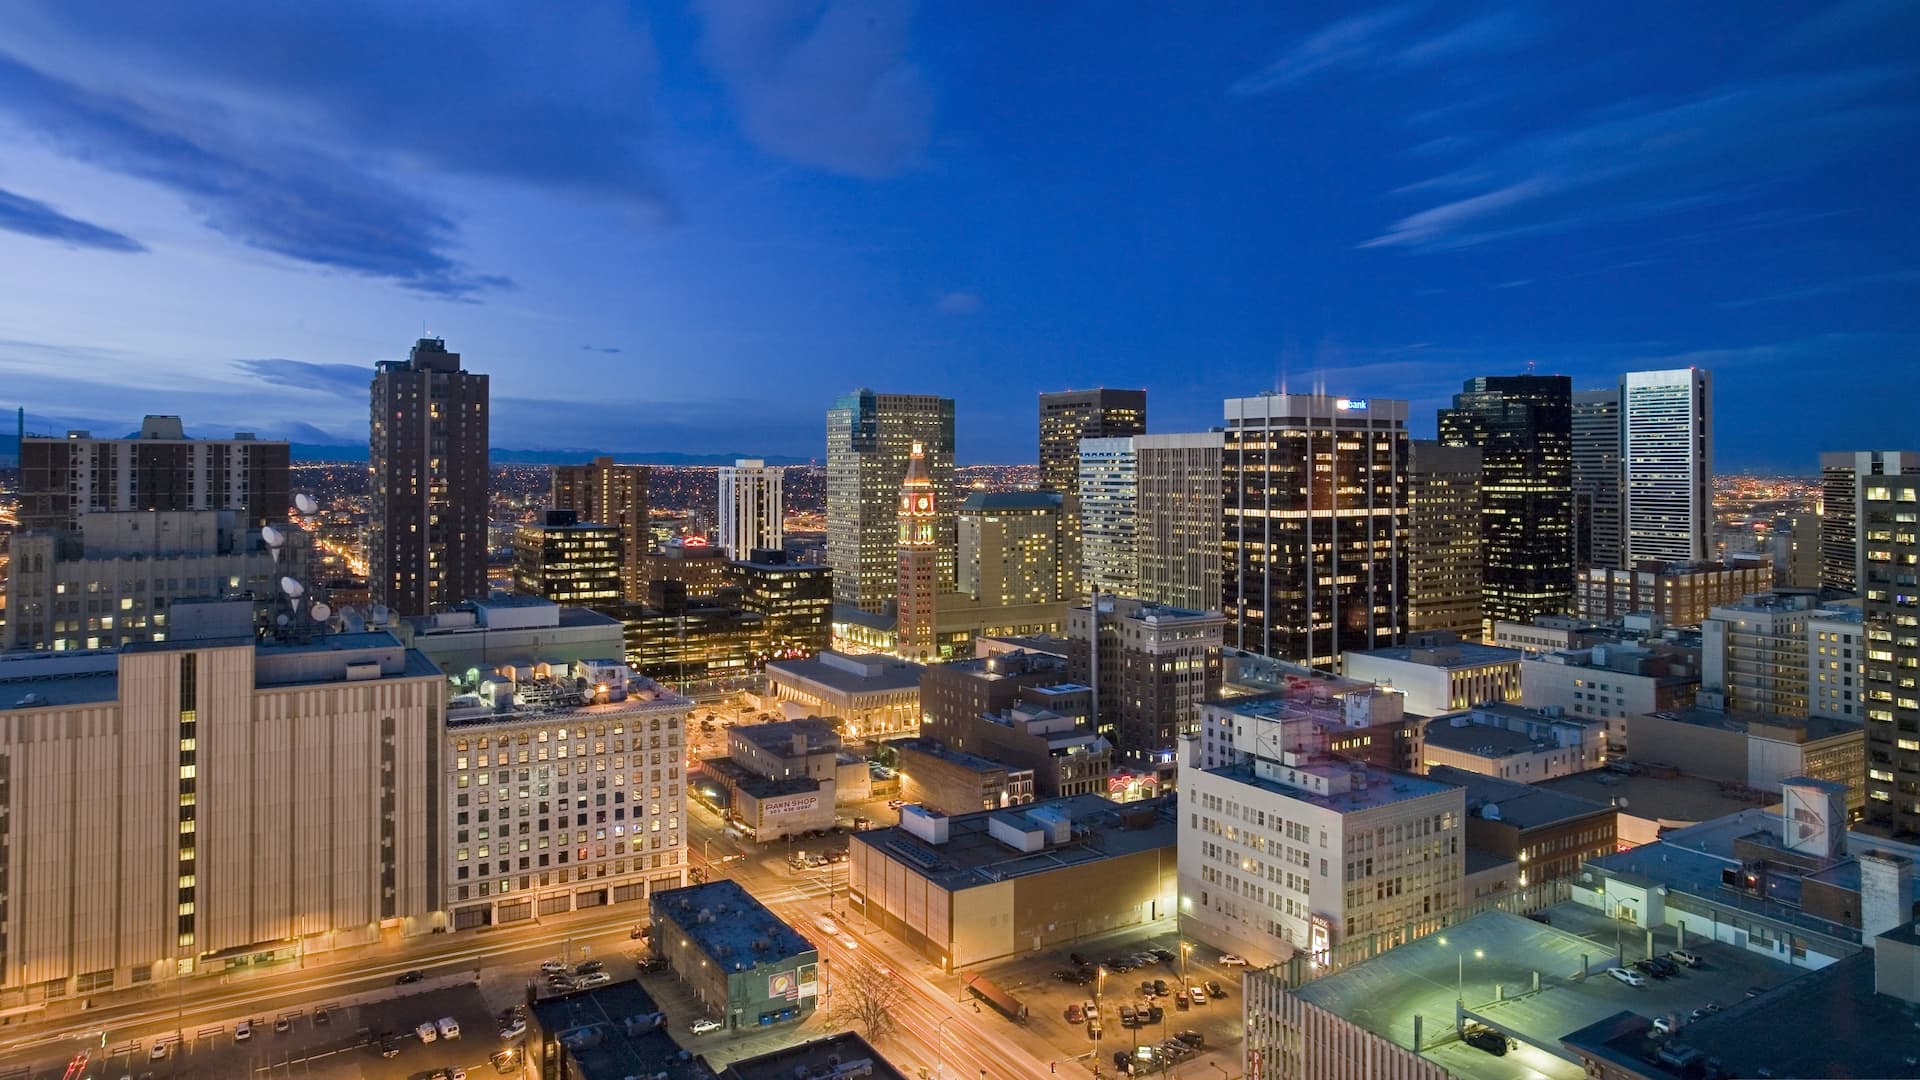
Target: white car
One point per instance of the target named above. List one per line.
(1664, 1025)
(1631, 978)
(449, 1027)
(243, 1031)
(1230, 960)
(426, 1032)
(514, 1030)
(552, 967)
(159, 1051)
(706, 1024)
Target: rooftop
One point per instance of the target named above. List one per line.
(728, 925)
(872, 620)
(1697, 873)
(1816, 727)
(972, 857)
(1484, 740)
(1044, 644)
(1525, 806)
(777, 737)
(937, 749)
(595, 1026)
(1011, 500)
(1383, 786)
(817, 1058)
(1451, 655)
(643, 696)
(850, 675)
(1678, 800)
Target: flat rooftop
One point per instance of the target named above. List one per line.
(935, 749)
(1697, 873)
(777, 737)
(803, 1060)
(1463, 654)
(1741, 721)
(1525, 806)
(971, 856)
(1384, 786)
(593, 1024)
(651, 698)
(1681, 800)
(1484, 740)
(1044, 644)
(894, 675)
(736, 924)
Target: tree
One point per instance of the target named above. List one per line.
(866, 996)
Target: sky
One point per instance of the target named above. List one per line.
(691, 226)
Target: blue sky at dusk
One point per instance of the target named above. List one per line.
(691, 226)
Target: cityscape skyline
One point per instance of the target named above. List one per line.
(743, 191)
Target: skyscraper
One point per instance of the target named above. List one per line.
(1068, 416)
(917, 552)
(427, 450)
(1315, 522)
(1666, 465)
(1523, 427)
(1009, 547)
(616, 495)
(1109, 487)
(1596, 479)
(1890, 604)
(1444, 564)
(159, 469)
(752, 516)
(870, 438)
(1177, 528)
(1842, 479)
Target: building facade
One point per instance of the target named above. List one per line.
(1010, 546)
(752, 513)
(160, 469)
(794, 599)
(1675, 594)
(181, 806)
(1441, 674)
(1611, 683)
(1596, 478)
(1315, 508)
(1523, 427)
(869, 696)
(1844, 477)
(1177, 527)
(1666, 466)
(567, 561)
(1020, 709)
(564, 798)
(1068, 416)
(615, 495)
(1890, 595)
(1153, 666)
(1836, 655)
(918, 550)
(746, 967)
(870, 439)
(1445, 565)
(1109, 490)
(427, 452)
(950, 781)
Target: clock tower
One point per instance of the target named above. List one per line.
(919, 551)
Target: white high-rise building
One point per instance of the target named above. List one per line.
(751, 512)
(1666, 465)
(1150, 518)
(1109, 505)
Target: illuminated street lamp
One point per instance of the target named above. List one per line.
(940, 1038)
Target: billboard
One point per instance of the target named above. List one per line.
(784, 984)
(789, 804)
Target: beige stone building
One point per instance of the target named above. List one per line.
(193, 805)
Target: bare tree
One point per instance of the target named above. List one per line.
(866, 996)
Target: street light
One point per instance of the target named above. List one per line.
(940, 1037)
(1186, 950)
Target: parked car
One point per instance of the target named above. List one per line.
(1077, 960)
(1663, 967)
(1093, 1027)
(448, 1027)
(1154, 1014)
(323, 1016)
(159, 1051)
(589, 981)
(1199, 994)
(706, 1024)
(1180, 1000)
(1664, 1025)
(1214, 989)
(1127, 1016)
(641, 933)
(1160, 987)
(588, 967)
(861, 824)
(282, 1025)
(243, 1031)
(1230, 960)
(1076, 1015)
(1486, 1039)
(1631, 978)
(427, 1032)
(1192, 1038)
(1165, 955)
(1066, 976)
(513, 1028)
(410, 977)
(389, 1047)
(1682, 956)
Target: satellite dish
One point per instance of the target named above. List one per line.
(320, 612)
(379, 615)
(272, 536)
(353, 621)
(305, 504)
(292, 588)
(280, 620)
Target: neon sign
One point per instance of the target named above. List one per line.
(1350, 404)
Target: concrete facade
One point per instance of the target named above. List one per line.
(1440, 673)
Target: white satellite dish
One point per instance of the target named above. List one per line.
(305, 504)
(292, 588)
(280, 620)
(321, 612)
(379, 615)
(353, 621)
(274, 537)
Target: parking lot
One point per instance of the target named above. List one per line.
(342, 1042)
(1218, 1021)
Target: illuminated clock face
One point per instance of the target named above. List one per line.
(924, 504)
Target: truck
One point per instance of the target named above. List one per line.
(1004, 1003)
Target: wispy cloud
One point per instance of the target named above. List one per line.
(826, 83)
(1344, 41)
(959, 302)
(608, 350)
(31, 217)
(1832, 287)
(1502, 30)
(1641, 160)
(340, 380)
(1405, 37)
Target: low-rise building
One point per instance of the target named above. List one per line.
(610, 1032)
(956, 782)
(958, 621)
(742, 963)
(1362, 722)
(1155, 664)
(692, 561)
(869, 696)
(971, 888)
(1514, 743)
(1546, 834)
(842, 1056)
(563, 792)
(1836, 656)
(1610, 683)
(1288, 849)
(1548, 634)
(479, 637)
(1650, 802)
(1678, 594)
(1439, 673)
(566, 560)
(1018, 709)
(1752, 749)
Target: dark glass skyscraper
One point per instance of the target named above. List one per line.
(1523, 427)
(427, 530)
